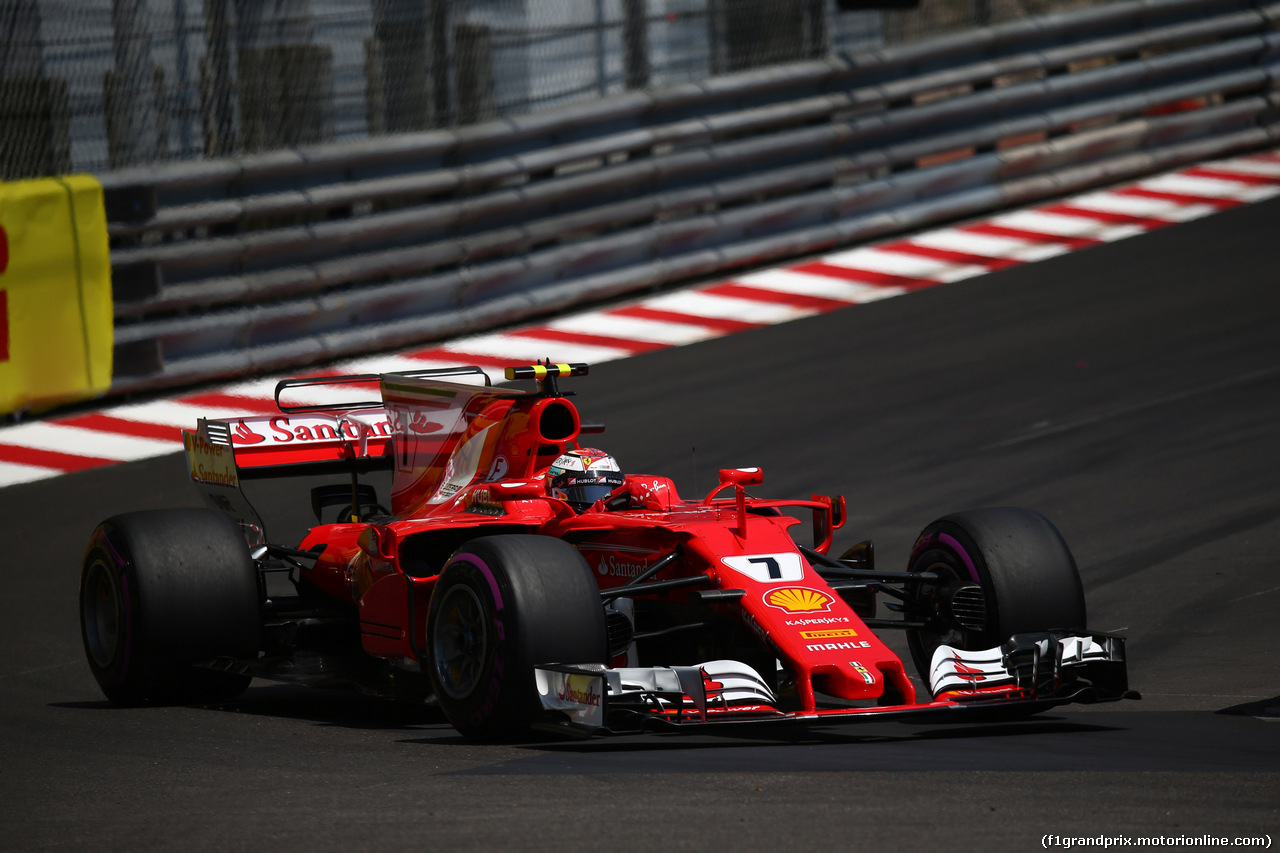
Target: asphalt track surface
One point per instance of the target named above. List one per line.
(1131, 392)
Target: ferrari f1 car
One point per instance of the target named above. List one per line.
(521, 581)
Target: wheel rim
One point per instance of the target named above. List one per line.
(460, 640)
(927, 640)
(101, 614)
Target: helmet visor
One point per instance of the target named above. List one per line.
(582, 489)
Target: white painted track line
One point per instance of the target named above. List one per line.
(633, 328)
(521, 348)
(988, 246)
(1250, 166)
(11, 474)
(906, 266)
(173, 413)
(1208, 187)
(807, 284)
(699, 304)
(50, 435)
(1062, 225)
(1133, 205)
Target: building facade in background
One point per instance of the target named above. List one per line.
(98, 85)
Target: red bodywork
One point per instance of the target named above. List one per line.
(469, 460)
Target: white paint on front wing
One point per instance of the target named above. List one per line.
(959, 669)
(579, 695)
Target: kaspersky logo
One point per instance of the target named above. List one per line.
(798, 599)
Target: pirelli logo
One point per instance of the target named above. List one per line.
(829, 634)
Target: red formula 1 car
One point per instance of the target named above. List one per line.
(523, 581)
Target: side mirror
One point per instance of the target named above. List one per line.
(826, 520)
(741, 477)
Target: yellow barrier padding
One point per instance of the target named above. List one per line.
(55, 292)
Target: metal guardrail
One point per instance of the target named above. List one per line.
(229, 267)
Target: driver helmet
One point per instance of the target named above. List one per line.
(583, 476)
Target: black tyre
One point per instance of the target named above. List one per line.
(1007, 571)
(162, 590)
(504, 604)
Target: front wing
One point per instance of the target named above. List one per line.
(1027, 674)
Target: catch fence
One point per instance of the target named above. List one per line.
(260, 264)
(96, 85)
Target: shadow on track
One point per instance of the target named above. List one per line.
(1268, 708)
(321, 707)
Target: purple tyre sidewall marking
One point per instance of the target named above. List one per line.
(122, 578)
(927, 542)
(497, 672)
(488, 575)
(962, 554)
(480, 564)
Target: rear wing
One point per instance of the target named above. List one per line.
(293, 445)
(345, 434)
(370, 381)
(321, 436)
(437, 431)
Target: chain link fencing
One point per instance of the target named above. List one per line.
(96, 85)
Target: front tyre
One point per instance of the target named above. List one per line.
(503, 605)
(163, 590)
(1005, 571)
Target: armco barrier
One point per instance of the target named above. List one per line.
(265, 263)
(55, 293)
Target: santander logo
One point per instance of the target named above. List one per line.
(568, 692)
(244, 435)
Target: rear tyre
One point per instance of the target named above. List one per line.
(1014, 574)
(503, 605)
(163, 590)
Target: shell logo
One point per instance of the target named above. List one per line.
(798, 599)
